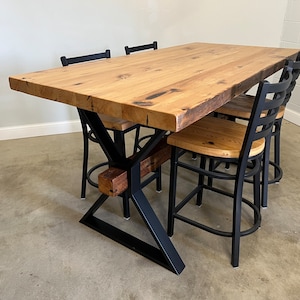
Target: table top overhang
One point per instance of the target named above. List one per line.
(169, 88)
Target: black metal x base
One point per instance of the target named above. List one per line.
(166, 254)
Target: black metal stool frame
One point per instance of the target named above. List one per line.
(258, 128)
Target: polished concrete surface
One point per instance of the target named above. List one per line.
(45, 253)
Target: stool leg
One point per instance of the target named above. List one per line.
(172, 191)
(201, 181)
(236, 231)
(265, 172)
(158, 180)
(277, 148)
(236, 225)
(256, 192)
(211, 168)
(85, 157)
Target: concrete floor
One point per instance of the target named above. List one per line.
(45, 253)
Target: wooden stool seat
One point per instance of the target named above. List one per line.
(115, 123)
(204, 137)
(241, 107)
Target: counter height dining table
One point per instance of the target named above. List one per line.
(166, 89)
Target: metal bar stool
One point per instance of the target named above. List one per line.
(240, 107)
(227, 142)
(119, 127)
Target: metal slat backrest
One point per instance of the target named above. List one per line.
(84, 58)
(260, 125)
(296, 71)
(129, 50)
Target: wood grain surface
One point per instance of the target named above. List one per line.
(169, 88)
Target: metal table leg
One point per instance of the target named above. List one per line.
(165, 254)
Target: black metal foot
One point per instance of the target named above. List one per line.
(165, 255)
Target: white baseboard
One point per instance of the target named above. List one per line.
(292, 116)
(18, 132)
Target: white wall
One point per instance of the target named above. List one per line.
(291, 39)
(35, 33)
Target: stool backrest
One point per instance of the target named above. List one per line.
(129, 50)
(296, 71)
(80, 59)
(260, 125)
(84, 58)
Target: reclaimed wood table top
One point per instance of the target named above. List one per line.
(169, 88)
